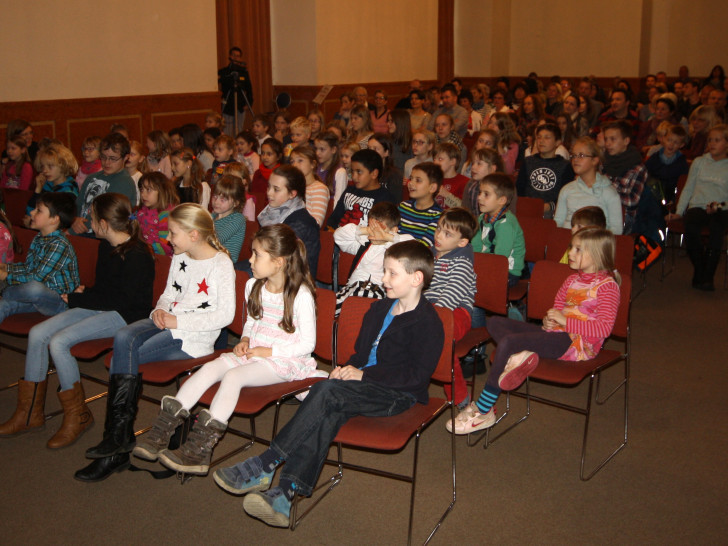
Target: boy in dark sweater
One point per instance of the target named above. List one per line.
(668, 164)
(397, 351)
(543, 174)
(356, 201)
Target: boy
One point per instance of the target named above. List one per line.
(668, 164)
(223, 150)
(300, 133)
(397, 350)
(543, 174)
(585, 217)
(447, 155)
(176, 142)
(623, 166)
(261, 128)
(356, 202)
(420, 214)
(50, 269)
(113, 178)
(368, 244)
(499, 231)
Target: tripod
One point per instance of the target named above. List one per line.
(233, 78)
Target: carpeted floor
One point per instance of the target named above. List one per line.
(668, 486)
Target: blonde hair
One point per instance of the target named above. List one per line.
(721, 128)
(62, 156)
(705, 113)
(238, 169)
(217, 118)
(301, 123)
(590, 143)
(601, 245)
(430, 137)
(192, 217)
(136, 145)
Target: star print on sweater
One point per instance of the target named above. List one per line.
(176, 286)
(203, 305)
(183, 266)
(202, 286)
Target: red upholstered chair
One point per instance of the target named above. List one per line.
(325, 271)
(536, 232)
(557, 243)
(530, 207)
(343, 262)
(247, 250)
(15, 203)
(387, 434)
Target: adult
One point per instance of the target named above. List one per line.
(716, 78)
(23, 129)
(451, 108)
(361, 96)
(717, 99)
(691, 98)
(594, 108)
(665, 110)
(475, 120)
(380, 112)
(620, 109)
(531, 112)
(579, 123)
(650, 81)
(554, 99)
(234, 82)
(419, 117)
(404, 102)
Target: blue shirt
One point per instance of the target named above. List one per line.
(387, 321)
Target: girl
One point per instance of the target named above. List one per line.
(348, 150)
(287, 205)
(567, 130)
(136, 165)
(206, 156)
(57, 168)
(391, 177)
(423, 144)
(554, 100)
(419, 117)
(703, 204)
(483, 161)
(159, 148)
(245, 146)
(278, 338)
(158, 198)
(530, 112)
(122, 294)
(271, 154)
(317, 121)
(317, 194)
(487, 138)
(398, 127)
(338, 127)
(90, 150)
(591, 188)
(197, 303)
(508, 139)
(360, 126)
(18, 172)
(228, 199)
(9, 245)
(582, 317)
(238, 169)
(380, 112)
(189, 178)
(213, 119)
(329, 168)
(347, 103)
(281, 121)
(579, 124)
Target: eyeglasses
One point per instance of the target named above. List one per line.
(419, 142)
(90, 149)
(580, 156)
(109, 159)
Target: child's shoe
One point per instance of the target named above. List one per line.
(271, 507)
(244, 477)
(471, 420)
(518, 368)
(193, 457)
(151, 444)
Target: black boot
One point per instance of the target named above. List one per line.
(101, 469)
(121, 410)
(697, 258)
(711, 264)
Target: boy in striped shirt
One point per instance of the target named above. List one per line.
(420, 214)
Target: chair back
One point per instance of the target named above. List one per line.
(15, 203)
(536, 232)
(261, 201)
(87, 251)
(557, 243)
(25, 237)
(348, 326)
(443, 372)
(491, 283)
(161, 272)
(326, 306)
(241, 279)
(530, 207)
(247, 249)
(325, 271)
(624, 254)
(343, 267)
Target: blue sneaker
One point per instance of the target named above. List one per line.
(244, 477)
(271, 507)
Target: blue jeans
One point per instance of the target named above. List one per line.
(143, 342)
(30, 297)
(304, 442)
(59, 334)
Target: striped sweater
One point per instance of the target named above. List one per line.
(453, 285)
(421, 224)
(317, 201)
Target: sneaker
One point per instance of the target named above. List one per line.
(271, 507)
(244, 477)
(518, 368)
(471, 420)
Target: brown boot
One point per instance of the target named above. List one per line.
(76, 417)
(29, 414)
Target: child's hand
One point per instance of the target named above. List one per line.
(64, 297)
(378, 235)
(80, 289)
(241, 348)
(170, 321)
(260, 352)
(26, 221)
(3, 272)
(79, 226)
(347, 373)
(158, 316)
(556, 316)
(39, 181)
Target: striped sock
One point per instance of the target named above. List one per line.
(487, 398)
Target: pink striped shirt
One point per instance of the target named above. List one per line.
(317, 199)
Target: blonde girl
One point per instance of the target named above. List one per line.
(189, 178)
(158, 198)
(487, 138)
(423, 147)
(329, 169)
(508, 139)
(702, 120)
(317, 194)
(158, 157)
(348, 150)
(317, 121)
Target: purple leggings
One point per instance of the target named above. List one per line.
(514, 336)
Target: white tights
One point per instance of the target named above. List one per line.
(232, 378)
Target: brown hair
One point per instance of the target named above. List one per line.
(502, 185)
(589, 217)
(461, 221)
(197, 173)
(115, 210)
(166, 192)
(231, 186)
(414, 256)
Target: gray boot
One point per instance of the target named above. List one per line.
(193, 457)
(156, 440)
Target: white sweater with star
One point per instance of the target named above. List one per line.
(201, 294)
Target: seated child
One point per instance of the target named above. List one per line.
(90, 150)
(9, 244)
(668, 163)
(582, 317)
(238, 169)
(357, 200)
(423, 144)
(261, 131)
(368, 244)
(246, 146)
(420, 214)
(17, 173)
(397, 350)
(158, 198)
(483, 161)
(57, 167)
(447, 156)
(223, 151)
(189, 178)
(228, 198)
(159, 148)
(585, 217)
(271, 153)
(347, 152)
(50, 268)
(300, 135)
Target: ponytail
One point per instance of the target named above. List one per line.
(115, 210)
(191, 216)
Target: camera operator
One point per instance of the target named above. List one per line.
(235, 82)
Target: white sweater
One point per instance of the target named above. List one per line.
(201, 294)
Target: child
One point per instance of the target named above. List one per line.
(329, 169)
(228, 199)
(347, 152)
(300, 135)
(223, 150)
(360, 126)
(9, 244)
(317, 194)
(543, 174)
(583, 315)
(347, 103)
(398, 127)
(213, 119)
(158, 199)
(357, 201)
(50, 268)
(419, 215)
(261, 128)
(423, 144)
(589, 188)
(703, 205)
(238, 169)
(585, 217)
(447, 156)
(57, 167)
(498, 229)
(122, 294)
(91, 163)
(113, 178)
(391, 177)
(453, 284)
(396, 352)
(158, 156)
(176, 140)
(18, 172)
(287, 205)
(189, 178)
(246, 146)
(487, 138)
(271, 155)
(484, 161)
(508, 139)
(368, 244)
(197, 303)
(278, 338)
(668, 164)
(205, 156)
(445, 132)
(136, 165)
(317, 121)
(281, 122)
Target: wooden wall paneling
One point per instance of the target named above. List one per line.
(445, 40)
(77, 129)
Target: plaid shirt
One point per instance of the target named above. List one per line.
(50, 260)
